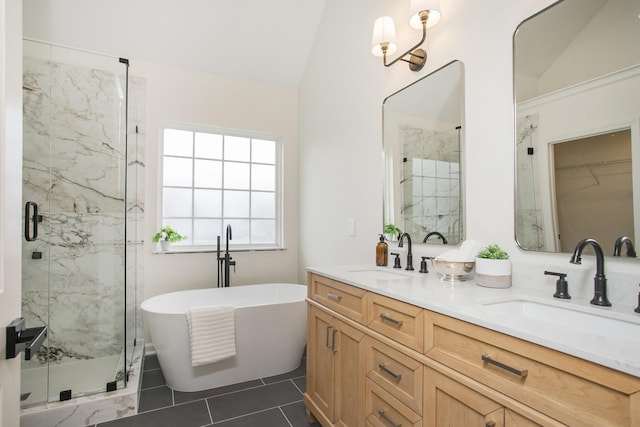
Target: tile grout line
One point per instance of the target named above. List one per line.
(296, 386)
(242, 390)
(285, 416)
(213, 396)
(154, 387)
(258, 412)
(209, 411)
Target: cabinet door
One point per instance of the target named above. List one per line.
(349, 375)
(320, 362)
(449, 403)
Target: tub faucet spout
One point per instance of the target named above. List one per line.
(599, 281)
(409, 253)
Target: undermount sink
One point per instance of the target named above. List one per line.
(586, 319)
(382, 274)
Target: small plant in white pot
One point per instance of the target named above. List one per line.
(391, 232)
(166, 236)
(493, 268)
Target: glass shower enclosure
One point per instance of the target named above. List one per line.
(75, 212)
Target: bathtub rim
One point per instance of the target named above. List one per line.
(145, 305)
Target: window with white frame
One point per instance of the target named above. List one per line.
(212, 178)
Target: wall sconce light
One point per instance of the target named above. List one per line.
(424, 14)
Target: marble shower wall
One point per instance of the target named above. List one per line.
(431, 182)
(74, 167)
(530, 227)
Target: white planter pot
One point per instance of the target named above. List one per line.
(165, 245)
(493, 273)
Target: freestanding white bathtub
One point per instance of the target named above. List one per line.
(270, 322)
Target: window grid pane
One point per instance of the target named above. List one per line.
(212, 180)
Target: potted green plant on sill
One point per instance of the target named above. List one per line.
(391, 232)
(166, 236)
(493, 267)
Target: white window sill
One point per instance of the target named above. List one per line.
(209, 250)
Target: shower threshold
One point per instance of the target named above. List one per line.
(89, 409)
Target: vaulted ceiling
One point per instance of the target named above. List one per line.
(258, 40)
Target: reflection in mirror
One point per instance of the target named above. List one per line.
(422, 130)
(577, 92)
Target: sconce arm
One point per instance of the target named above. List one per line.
(418, 57)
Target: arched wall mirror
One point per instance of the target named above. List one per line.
(422, 152)
(577, 104)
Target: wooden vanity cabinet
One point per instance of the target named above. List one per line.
(568, 389)
(335, 353)
(376, 361)
(335, 356)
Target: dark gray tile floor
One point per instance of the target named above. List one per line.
(267, 402)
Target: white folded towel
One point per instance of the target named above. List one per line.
(212, 333)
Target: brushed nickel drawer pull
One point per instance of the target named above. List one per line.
(333, 340)
(334, 297)
(521, 373)
(382, 414)
(395, 376)
(390, 319)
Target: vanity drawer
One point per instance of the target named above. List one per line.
(396, 373)
(571, 390)
(384, 410)
(397, 320)
(340, 297)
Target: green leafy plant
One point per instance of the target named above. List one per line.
(493, 252)
(167, 234)
(392, 229)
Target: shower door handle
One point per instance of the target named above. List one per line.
(19, 338)
(32, 218)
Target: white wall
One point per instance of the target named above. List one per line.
(181, 95)
(10, 200)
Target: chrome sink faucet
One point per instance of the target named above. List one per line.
(600, 281)
(409, 253)
(435, 233)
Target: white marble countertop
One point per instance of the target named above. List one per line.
(615, 345)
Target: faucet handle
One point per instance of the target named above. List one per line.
(423, 264)
(562, 287)
(396, 261)
(637, 309)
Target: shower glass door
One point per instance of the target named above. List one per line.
(74, 172)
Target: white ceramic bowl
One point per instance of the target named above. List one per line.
(453, 271)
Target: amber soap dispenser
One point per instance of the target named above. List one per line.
(382, 250)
